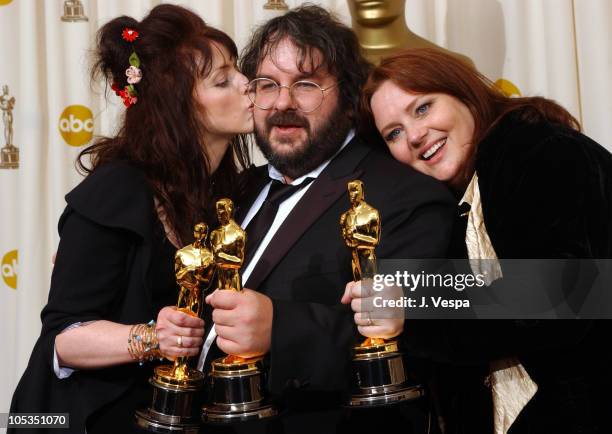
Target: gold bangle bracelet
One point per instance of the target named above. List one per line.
(142, 342)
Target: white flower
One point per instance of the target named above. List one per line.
(134, 75)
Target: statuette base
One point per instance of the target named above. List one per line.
(9, 157)
(379, 377)
(237, 392)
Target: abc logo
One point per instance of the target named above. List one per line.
(9, 269)
(508, 88)
(76, 125)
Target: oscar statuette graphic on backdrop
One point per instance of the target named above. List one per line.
(278, 5)
(74, 11)
(9, 154)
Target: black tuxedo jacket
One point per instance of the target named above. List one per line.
(306, 266)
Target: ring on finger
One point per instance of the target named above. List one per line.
(179, 341)
(369, 319)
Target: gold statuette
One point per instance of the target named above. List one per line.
(236, 382)
(382, 31)
(361, 232)
(194, 268)
(228, 242)
(9, 153)
(175, 387)
(378, 370)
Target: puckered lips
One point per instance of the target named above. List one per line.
(433, 150)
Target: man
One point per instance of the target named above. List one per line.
(307, 74)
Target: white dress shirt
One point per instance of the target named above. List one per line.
(284, 209)
(62, 372)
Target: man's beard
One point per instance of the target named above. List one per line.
(320, 145)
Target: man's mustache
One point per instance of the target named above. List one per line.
(287, 118)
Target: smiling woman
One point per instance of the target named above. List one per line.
(433, 110)
(536, 188)
(438, 128)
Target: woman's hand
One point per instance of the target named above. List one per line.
(178, 333)
(373, 321)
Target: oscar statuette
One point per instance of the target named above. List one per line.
(382, 31)
(378, 368)
(174, 407)
(237, 385)
(74, 11)
(9, 153)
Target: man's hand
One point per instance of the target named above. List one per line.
(374, 322)
(243, 321)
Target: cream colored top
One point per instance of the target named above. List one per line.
(511, 386)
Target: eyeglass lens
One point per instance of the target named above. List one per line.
(264, 92)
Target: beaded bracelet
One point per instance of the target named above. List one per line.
(142, 342)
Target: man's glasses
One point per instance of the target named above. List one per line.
(306, 95)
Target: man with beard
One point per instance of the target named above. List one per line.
(307, 73)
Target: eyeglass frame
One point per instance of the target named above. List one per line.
(280, 86)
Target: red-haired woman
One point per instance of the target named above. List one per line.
(537, 188)
(179, 148)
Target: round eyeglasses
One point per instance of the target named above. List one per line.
(306, 95)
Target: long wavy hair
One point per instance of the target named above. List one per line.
(162, 133)
(426, 70)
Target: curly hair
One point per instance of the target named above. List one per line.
(162, 133)
(311, 28)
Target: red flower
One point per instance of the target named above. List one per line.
(131, 100)
(125, 95)
(129, 35)
(128, 99)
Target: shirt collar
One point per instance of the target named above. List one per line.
(273, 173)
(470, 192)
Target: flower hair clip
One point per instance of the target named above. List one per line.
(128, 94)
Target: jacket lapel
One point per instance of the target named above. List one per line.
(325, 190)
(257, 180)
